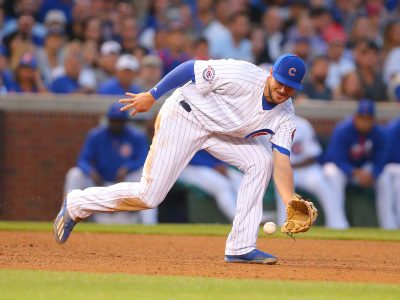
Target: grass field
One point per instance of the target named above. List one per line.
(67, 285)
(29, 284)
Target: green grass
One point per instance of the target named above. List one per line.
(211, 230)
(72, 285)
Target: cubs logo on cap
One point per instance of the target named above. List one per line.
(289, 69)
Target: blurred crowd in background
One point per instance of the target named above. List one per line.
(352, 47)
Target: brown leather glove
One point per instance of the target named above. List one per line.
(300, 215)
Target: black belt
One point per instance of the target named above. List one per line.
(185, 106)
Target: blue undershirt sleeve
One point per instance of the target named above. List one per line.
(176, 78)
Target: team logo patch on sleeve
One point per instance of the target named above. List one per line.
(209, 74)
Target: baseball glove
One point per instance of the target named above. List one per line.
(300, 215)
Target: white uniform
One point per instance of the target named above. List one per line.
(226, 110)
(311, 178)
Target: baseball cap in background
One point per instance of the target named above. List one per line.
(28, 60)
(127, 62)
(55, 16)
(366, 107)
(289, 69)
(115, 113)
(110, 47)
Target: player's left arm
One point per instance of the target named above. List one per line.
(283, 175)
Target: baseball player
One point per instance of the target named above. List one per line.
(356, 153)
(216, 178)
(112, 153)
(309, 175)
(388, 185)
(220, 106)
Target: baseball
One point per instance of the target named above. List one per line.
(269, 228)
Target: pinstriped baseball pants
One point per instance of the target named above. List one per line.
(178, 136)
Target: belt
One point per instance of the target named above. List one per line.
(185, 106)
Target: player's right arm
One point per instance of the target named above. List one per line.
(283, 175)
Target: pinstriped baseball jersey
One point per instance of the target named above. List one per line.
(227, 97)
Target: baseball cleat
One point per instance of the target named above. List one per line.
(253, 257)
(63, 225)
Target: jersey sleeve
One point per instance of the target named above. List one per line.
(283, 137)
(213, 75)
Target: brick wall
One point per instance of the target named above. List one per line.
(37, 150)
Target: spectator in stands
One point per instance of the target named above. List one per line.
(176, 51)
(314, 86)
(127, 70)
(55, 20)
(357, 151)
(23, 25)
(112, 153)
(200, 49)
(363, 29)
(305, 33)
(309, 176)
(129, 35)
(92, 31)
(237, 46)
(258, 46)
(272, 23)
(340, 62)
(366, 57)
(350, 87)
(109, 54)
(388, 185)
(51, 55)
(391, 65)
(150, 72)
(68, 78)
(81, 11)
(301, 46)
(217, 30)
(21, 40)
(215, 178)
(27, 76)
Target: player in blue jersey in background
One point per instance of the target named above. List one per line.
(388, 188)
(356, 152)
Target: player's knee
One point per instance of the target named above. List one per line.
(331, 170)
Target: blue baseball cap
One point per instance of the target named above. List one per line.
(366, 107)
(289, 69)
(115, 113)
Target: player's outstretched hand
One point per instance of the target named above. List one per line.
(138, 102)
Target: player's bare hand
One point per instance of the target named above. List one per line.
(138, 102)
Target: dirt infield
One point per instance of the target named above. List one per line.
(363, 261)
